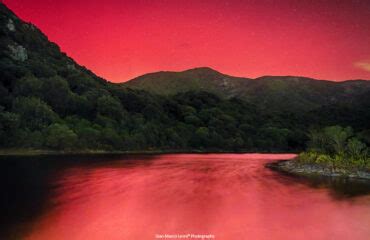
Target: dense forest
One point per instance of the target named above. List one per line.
(48, 101)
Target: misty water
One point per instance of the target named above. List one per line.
(228, 196)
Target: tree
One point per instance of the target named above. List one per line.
(200, 137)
(28, 139)
(355, 147)
(278, 137)
(56, 92)
(80, 105)
(34, 113)
(174, 139)
(28, 86)
(5, 97)
(185, 110)
(317, 140)
(80, 82)
(60, 136)
(337, 137)
(89, 135)
(110, 107)
(9, 123)
(40, 69)
(193, 120)
(111, 139)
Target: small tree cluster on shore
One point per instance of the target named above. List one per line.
(338, 147)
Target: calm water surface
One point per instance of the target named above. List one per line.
(232, 196)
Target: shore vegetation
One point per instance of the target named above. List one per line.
(336, 147)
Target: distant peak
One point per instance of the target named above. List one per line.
(202, 70)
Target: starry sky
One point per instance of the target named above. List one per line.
(120, 39)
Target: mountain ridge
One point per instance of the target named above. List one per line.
(270, 89)
(205, 68)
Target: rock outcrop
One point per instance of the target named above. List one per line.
(298, 168)
(18, 52)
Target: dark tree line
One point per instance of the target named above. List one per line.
(49, 113)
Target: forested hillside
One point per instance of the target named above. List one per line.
(48, 101)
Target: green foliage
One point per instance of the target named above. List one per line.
(317, 140)
(356, 148)
(335, 146)
(277, 137)
(56, 92)
(200, 137)
(61, 137)
(9, 123)
(111, 139)
(337, 138)
(110, 107)
(331, 140)
(34, 113)
(192, 120)
(28, 86)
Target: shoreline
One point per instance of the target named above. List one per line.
(36, 152)
(308, 170)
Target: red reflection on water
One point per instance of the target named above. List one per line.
(232, 196)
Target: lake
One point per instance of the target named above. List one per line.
(212, 196)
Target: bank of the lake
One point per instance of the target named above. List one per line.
(297, 167)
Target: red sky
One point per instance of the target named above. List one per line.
(120, 39)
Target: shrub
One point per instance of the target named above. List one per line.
(336, 147)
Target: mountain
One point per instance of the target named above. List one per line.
(269, 92)
(48, 101)
(24, 49)
(198, 79)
